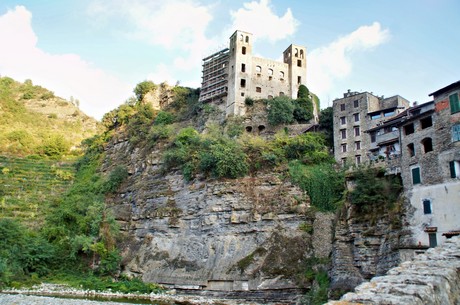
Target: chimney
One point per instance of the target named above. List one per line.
(414, 104)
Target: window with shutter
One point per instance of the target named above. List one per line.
(454, 103)
(456, 133)
(416, 175)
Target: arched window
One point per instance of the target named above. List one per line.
(247, 38)
(270, 72)
(296, 54)
(243, 50)
(258, 69)
(301, 54)
(241, 37)
(427, 145)
(281, 74)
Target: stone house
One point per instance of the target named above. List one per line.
(431, 167)
(353, 116)
(234, 74)
(422, 144)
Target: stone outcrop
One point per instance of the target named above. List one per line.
(432, 278)
(249, 234)
(367, 243)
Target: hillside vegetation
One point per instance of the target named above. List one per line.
(34, 121)
(74, 229)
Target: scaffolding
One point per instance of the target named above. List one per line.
(215, 76)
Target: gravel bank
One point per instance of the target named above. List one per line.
(41, 295)
(21, 299)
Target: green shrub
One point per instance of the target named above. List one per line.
(248, 101)
(372, 187)
(321, 182)
(280, 111)
(115, 179)
(143, 88)
(164, 118)
(303, 110)
(55, 146)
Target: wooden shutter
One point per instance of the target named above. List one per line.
(416, 175)
(454, 103)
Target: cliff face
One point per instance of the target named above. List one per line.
(253, 233)
(367, 243)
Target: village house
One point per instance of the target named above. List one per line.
(420, 143)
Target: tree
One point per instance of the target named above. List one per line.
(326, 124)
(303, 110)
(280, 111)
(143, 88)
(303, 92)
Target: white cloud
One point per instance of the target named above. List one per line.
(333, 62)
(176, 25)
(65, 74)
(259, 19)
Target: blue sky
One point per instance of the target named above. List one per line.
(98, 50)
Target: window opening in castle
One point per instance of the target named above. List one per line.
(343, 133)
(454, 103)
(426, 122)
(243, 83)
(299, 80)
(270, 97)
(344, 148)
(242, 93)
(426, 206)
(299, 63)
(261, 128)
(241, 37)
(409, 129)
(357, 145)
(343, 120)
(247, 38)
(270, 77)
(258, 89)
(281, 75)
(249, 128)
(270, 71)
(375, 116)
(243, 67)
(356, 117)
(301, 54)
(342, 107)
(296, 54)
(411, 149)
(427, 145)
(356, 103)
(281, 93)
(243, 50)
(258, 69)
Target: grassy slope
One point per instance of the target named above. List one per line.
(32, 174)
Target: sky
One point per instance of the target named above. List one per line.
(96, 51)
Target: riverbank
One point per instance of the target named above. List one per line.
(55, 294)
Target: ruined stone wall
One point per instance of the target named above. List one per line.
(432, 278)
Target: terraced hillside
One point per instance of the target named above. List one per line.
(28, 186)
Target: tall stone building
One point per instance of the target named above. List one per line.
(354, 115)
(234, 74)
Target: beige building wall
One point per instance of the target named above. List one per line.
(255, 77)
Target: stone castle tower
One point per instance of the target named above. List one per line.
(233, 74)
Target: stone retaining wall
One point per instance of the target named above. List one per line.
(430, 278)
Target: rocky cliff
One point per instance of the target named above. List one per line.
(248, 234)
